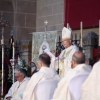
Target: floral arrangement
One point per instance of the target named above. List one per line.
(21, 64)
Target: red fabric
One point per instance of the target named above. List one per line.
(57, 54)
(16, 57)
(95, 52)
(6, 63)
(5, 89)
(87, 11)
(7, 60)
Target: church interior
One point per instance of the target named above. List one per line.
(26, 24)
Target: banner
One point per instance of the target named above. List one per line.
(38, 39)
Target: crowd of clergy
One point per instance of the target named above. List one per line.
(76, 80)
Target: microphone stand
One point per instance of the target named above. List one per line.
(58, 65)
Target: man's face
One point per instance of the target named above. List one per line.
(19, 77)
(66, 43)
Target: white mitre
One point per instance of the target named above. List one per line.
(66, 33)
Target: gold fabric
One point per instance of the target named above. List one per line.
(66, 55)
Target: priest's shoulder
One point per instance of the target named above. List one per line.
(36, 74)
(71, 72)
(96, 65)
(14, 84)
(75, 48)
(27, 78)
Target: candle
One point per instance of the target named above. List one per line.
(73, 36)
(13, 50)
(2, 42)
(99, 32)
(11, 40)
(81, 25)
(67, 25)
(13, 60)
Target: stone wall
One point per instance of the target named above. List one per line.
(52, 11)
(26, 16)
(21, 15)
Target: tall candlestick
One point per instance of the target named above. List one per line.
(11, 40)
(2, 42)
(81, 26)
(13, 61)
(99, 32)
(67, 25)
(13, 50)
(3, 24)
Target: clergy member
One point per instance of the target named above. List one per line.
(78, 66)
(66, 55)
(16, 90)
(91, 87)
(45, 73)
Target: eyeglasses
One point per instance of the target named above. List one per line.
(18, 76)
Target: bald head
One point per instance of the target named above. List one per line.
(78, 58)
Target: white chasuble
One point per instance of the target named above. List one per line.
(16, 90)
(91, 87)
(44, 73)
(67, 55)
(62, 91)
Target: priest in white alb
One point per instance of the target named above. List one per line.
(16, 90)
(78, 67)
(45, 73)
(91, 87)
(65, 57)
